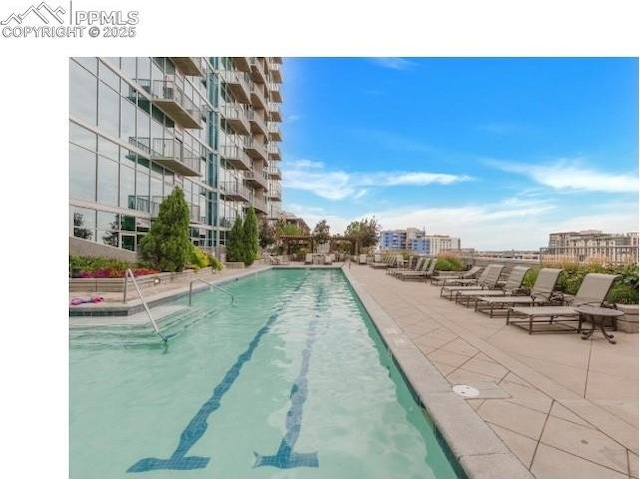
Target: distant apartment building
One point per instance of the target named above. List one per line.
(141, 126)
(291, 219)
(414, 239)
(592, 245)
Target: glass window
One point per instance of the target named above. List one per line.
(142, 225)
(144, 68)
(107, 181)
(143, 128)
(128, 223)
(129, 242)
(108, 110)
(127, 187)
(128, 122)
(156, 190)
(81, 136)
(115, 61)
(82, 173)
(108, 148)
(109, 77)
(142, 190)
(83, 94)
(108, 228)
(128, 67)
(84, 223)
(90, 63)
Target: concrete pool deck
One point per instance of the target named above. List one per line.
(550, 405)
(564, 407)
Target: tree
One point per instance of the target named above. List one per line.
(364, 233)
(235, 241)
(167, 245)
(250, 230)
(267, 234)
(321, 232)
(284, 229)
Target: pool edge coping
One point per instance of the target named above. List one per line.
(476, 447)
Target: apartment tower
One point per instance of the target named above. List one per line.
(141, 126)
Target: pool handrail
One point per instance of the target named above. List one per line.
(128, 273)
(233, 298)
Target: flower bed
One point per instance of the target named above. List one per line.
(116, 272)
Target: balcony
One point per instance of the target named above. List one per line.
(274, 173)
(274, 92)
(255, 149)
(274, 112)
(256, 179)
(274, 132)
(236, 157)
(242, 63)
(173, 155)
(274, 152)
(258, 99)
(236, 117)
(275, 194)
(275, 69)
(259, 205)
(258, 124)
(238, 83)
(258, 73)
(169, 97)
(235, 191)
(191, 66)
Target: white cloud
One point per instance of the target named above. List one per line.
(294, 118)
(338, 185)
(395, 63)
(572, 175)
(515, 223)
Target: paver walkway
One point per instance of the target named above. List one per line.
(565, 407)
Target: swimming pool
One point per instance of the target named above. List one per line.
(291, 382)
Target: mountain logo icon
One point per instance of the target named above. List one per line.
(44, 12)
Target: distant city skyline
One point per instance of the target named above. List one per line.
(497, 152)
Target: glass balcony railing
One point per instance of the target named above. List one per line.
(257, 122)
(274, 112)
(258, 99)
(237, 116)
(274, 132)
(236, 157)
(191, 66)
(274, 92)
(239, 83)
(169, 97)
(274, 152)
(255, 149)
(257, 179)
(174, 155)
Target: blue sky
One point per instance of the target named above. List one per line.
(497, 151)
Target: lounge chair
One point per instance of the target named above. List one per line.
(513, 285)
(592, 292)
(450, 277)
(405, 266)
(308, 259)
(418, 267)
(391, 261)
(542, 292)
(362, 259)
(428, 267)
(488, 279)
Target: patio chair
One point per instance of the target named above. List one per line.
(592, 292)
(405, 266)
(542, 292)
(328, 259)
(450, 277)
(488, 279)
(308, 259)
(428, 267)
(513, 285)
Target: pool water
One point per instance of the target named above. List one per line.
(293, 381)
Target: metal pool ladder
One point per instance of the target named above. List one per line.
(129, 274)
(233, 298)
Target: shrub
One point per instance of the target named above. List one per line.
(199, 258)
(250, 237)
(167, 245)
(216, 263)
(448, 263)
(530, 278)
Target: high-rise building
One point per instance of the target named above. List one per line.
(140, 127)
(415, 239)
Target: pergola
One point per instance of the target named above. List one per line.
(287, 240)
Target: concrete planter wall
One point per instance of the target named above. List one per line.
(116, 285)
(234, 264)
(629, 322)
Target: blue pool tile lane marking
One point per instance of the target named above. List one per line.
(198, 425)
(286, 457)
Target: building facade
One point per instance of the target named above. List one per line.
(592, 245)
(414, 239)
(141, 126)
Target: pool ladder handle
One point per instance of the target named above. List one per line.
(129, 274)
(213, 286)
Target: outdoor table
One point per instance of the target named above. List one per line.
(591, 313)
